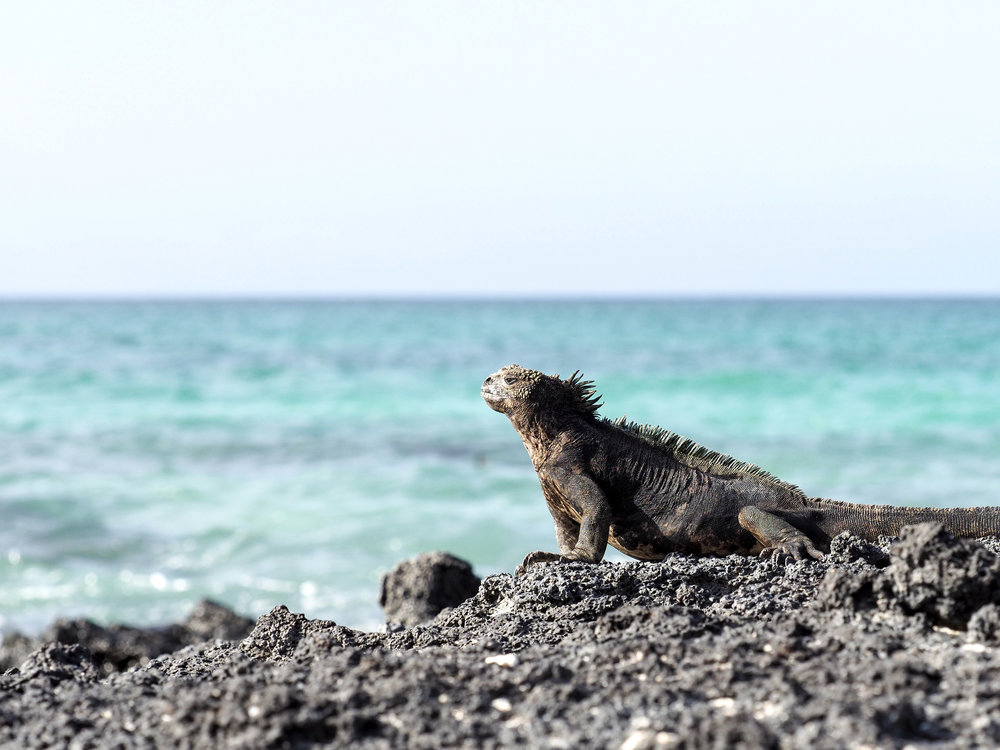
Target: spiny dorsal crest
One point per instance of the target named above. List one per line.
(692, 454)
(683, 449)
(584, 393)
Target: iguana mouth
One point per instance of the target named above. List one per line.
(492, 393)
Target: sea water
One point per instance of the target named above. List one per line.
(263, 453)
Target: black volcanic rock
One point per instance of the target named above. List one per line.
(118, 647)
(734, 652)
(945, 577)
(416, 590)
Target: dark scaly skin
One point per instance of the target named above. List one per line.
(605, 483)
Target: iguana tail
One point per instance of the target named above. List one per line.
(871, 521)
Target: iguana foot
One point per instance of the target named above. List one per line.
(538, 557)
(792, 551)
(779, 539)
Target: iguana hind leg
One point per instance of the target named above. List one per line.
(778, 537)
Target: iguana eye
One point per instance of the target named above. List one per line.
(510, 379)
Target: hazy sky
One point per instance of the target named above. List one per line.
(499, 148)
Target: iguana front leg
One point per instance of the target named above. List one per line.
(779, 537)
(595, 520)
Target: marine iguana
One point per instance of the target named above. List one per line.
(648, 491)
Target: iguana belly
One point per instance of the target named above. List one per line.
(633, 548)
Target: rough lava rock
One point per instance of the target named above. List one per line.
(731, 652)
(954, 582)
(945, 577)
(419, 588)
(118, 647)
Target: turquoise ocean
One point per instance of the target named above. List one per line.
(283, 452)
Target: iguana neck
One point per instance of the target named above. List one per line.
(542, 433)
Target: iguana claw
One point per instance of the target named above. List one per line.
(538, 557)
(792, 551)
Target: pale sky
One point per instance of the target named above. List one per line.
(501, 148)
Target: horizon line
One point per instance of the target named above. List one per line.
(168, 297)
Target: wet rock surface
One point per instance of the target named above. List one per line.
(875, 646)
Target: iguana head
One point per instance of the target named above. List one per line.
(515, 388)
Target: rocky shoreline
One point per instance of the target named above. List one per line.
(878, 645)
